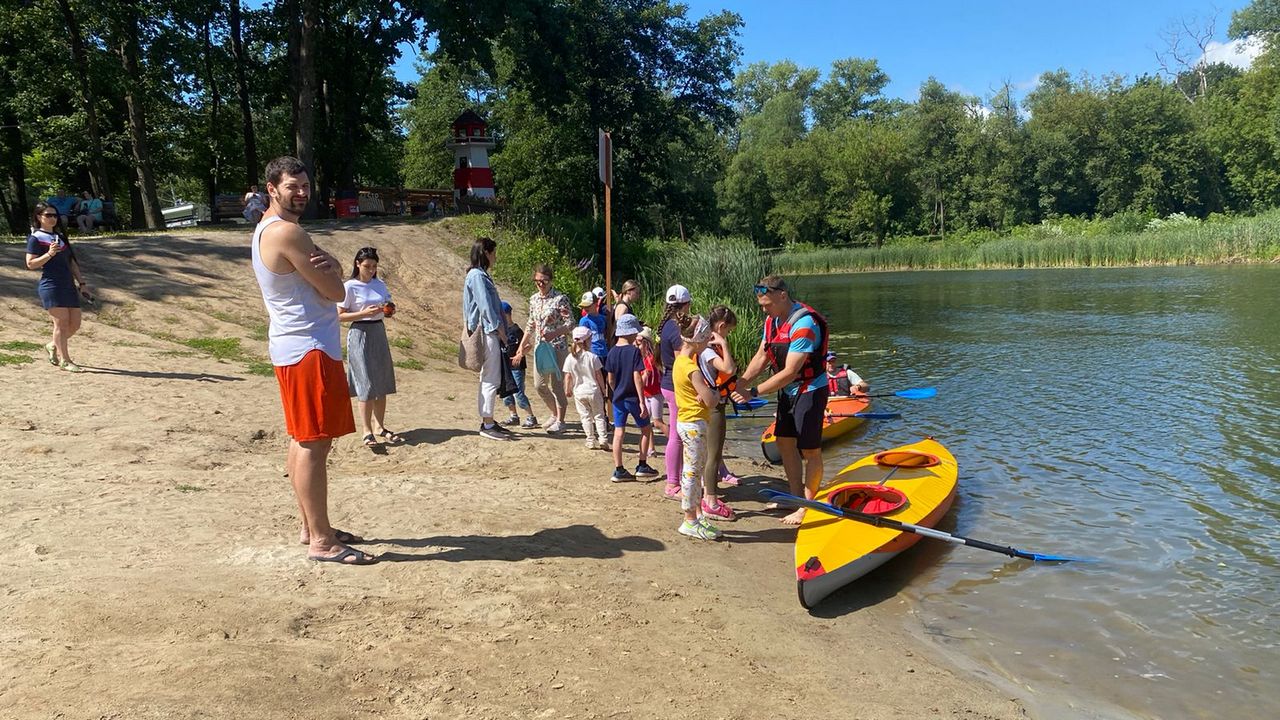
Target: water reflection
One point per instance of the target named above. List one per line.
(1127, 414)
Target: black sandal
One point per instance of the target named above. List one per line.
(391, 436)
(370, 440)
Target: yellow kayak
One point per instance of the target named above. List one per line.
(914, 483)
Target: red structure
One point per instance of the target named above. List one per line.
(470, 144)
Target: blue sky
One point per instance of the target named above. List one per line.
(972, 46)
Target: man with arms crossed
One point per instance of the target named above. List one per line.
(301, 285)
(794, 347)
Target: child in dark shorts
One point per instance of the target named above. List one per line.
(625, 368)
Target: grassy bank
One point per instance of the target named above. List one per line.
(1176, 241)
(716, 271)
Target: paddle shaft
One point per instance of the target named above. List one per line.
(869, 415)
(792, 500)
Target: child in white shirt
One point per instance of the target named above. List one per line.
(583, 379)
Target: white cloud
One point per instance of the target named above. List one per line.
(1239, 53)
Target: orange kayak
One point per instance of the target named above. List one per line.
(834, 424)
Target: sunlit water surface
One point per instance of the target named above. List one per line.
(1126, 414)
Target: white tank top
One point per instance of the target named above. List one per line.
(301, 320)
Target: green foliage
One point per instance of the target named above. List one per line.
(20, 345)
(410, 364)
(219, 348)
(259, 367)
(7, 359)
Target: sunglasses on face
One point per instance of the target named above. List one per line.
(541, 281)
(48, 214)
(765, 289)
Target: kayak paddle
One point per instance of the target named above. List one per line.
(787, 499)
(869, 415)
(909, 394)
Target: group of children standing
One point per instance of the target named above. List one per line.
(690, 368)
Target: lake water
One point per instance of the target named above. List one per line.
(1131, 415)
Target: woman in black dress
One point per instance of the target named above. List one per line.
(61, 285)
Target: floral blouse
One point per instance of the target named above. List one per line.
(544, 314)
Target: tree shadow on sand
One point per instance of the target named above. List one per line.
(574, 541)
(158, 375)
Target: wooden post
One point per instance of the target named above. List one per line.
(608, 243)
(606, 178)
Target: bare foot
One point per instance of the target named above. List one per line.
(342, 536)
(772, 506)
(340, 554)
(794, 518)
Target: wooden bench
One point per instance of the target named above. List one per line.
(228, 207)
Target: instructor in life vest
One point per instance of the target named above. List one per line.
(794, 347)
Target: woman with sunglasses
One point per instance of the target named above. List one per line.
(371, 376)
(549, 323)
(61, 285)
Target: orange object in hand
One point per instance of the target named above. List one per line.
(388, 308)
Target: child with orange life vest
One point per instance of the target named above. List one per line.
(694, 400)
(584, 382)
(720, 372)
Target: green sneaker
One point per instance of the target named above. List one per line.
(704, 522)
(698, 530)
(52, 353)
(71, 367)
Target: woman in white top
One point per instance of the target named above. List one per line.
(255, 205)
(371, 377)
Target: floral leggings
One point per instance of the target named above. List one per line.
(693, 435)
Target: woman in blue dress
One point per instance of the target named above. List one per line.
(61, 284)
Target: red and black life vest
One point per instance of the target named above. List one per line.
(778, 341)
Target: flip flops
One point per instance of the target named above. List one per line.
(348, 556)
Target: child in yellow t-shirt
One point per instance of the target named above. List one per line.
(694, 400)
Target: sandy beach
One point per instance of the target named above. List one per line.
(152, 565)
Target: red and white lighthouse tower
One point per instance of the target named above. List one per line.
(470, 144)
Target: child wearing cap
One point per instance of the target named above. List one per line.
(694, 400)
(625, 369)
(675, 316)
(583, 381)
(517, 399)
(651, 387)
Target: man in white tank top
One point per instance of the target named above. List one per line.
(300, 285)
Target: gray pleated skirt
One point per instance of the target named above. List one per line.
(370, 373)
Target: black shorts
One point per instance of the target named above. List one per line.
(801, 417)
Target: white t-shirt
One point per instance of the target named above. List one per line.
(583, 369)
(361, 295)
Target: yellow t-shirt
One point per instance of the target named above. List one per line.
(691, 408)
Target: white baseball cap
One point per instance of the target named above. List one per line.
(678, 295)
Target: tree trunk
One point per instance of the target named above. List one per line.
(214, 165)
(88, 101)
(15, 195)
(305, 69)
(127, 47)
(251, 168)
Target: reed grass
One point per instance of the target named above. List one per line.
(1253, 239)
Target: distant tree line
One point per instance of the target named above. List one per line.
(145, 101)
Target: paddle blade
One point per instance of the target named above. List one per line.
(917, 393)
(878, 415)
(1041, 557)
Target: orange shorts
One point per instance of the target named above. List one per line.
(316, 403)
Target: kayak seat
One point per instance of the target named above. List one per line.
(868, 499)
(906, 459)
